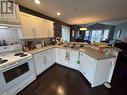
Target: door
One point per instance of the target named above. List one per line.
(50, 28)
(74, 59)
(57, 55)
(87, 66)
(64, 57)
(39, 62)
(38, 26)
(27, 26)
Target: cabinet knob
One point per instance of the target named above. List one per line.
(81, 54)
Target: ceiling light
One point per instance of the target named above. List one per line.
(83, 29)
(37, 1)
(3, 27)
(58, 13)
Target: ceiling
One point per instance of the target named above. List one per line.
(81, 11)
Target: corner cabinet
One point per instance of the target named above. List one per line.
(35, 27)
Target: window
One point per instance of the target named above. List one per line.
(86, 35)
(105, 35)
(65, 33)
(96, 35)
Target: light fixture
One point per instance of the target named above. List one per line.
(3, 27)
(58, 13)
(37, 1)
(83, 29)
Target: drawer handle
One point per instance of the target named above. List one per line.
(5, 47)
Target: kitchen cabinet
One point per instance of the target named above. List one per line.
(96, 71)
(12, 19)
(43, 60)
(67, 57)
(35, 27)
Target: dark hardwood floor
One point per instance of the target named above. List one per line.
(59, 80)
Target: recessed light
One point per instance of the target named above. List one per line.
(58, 13)
(37, 1)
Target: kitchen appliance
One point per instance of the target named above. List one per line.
(16, 72)
(38, 45)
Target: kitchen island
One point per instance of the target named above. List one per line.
(96, 67)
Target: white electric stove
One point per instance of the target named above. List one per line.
(16, 72)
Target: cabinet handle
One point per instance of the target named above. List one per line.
(5, 47)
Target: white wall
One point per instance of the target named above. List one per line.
(123, 28)
(11, 35)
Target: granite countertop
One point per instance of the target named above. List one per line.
(93, 53)
(41, 49)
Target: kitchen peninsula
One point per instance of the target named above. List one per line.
(96, 67)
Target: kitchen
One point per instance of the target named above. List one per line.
(41, 54)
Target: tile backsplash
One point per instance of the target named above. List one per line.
(29, 44)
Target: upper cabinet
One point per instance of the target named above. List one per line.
(35, 27)
(13, 19)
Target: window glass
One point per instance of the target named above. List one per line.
(96, 35)
(86, 35)
(105, 35)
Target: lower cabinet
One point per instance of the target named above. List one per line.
(67, 57)
(74, 61)
(43, 60)
(96, 71)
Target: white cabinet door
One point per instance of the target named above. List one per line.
(39, 62)
(57, 55)
(74, 59)
(38, 25)
(28, 31)
(49, 55)
(87, 66)
(44, 60)
(50, 28)
(64, 57)
(52, 51)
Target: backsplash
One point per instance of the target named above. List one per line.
(10, 35)
(30, 44)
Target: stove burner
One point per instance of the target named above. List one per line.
(18, 54)
(3, 61)
(21, 54)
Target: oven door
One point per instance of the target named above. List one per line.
(13, 75)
